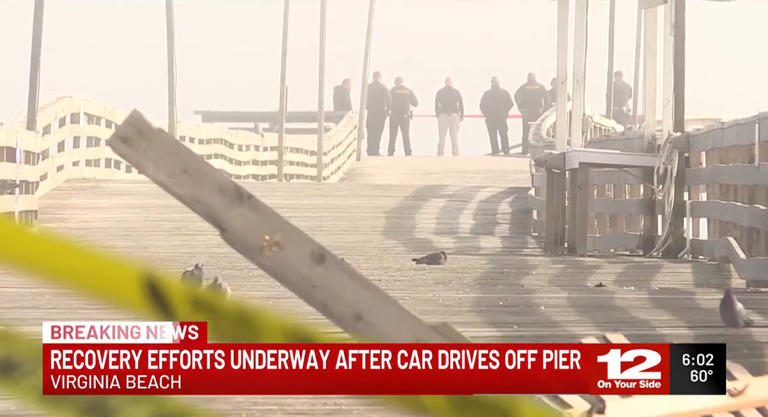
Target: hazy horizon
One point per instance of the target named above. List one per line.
(228, 53)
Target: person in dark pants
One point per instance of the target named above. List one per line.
(622, 93)
(531, 99)
(341, 98)
(495, 106)
(402, 98)
(378, 110)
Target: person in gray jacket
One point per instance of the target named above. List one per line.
(495, 106)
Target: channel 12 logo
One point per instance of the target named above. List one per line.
(631, 371)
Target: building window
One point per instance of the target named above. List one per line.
(30, 158)
(74, 118)
(44, 155)
(118, 164)
(92, 119)
(75, 163)
(97, 163)
(191, 140)
(10, 154)
(63, 121)
(109, 124)
(59, 168)
(93, 142)
(128, 169)
(89, 163)
(47, 129)
(107, 162)
(60, 147)
(43, 177)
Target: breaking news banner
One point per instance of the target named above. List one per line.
(175, 358)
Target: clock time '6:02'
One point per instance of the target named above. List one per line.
(700, 359)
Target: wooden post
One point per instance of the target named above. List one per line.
(34, 65)
(561, 127)
(583, 197)
(321, 92)
(170, 30)
(579, 72)
(364, 82)
(638, 50)
(283, 94)
(679, 26)
(678, 243)
(668, 83)
(650, 220)
(554, 216)
(611, 42)
(649, 75)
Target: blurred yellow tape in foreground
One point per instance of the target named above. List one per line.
(21, 375)
(139, 289)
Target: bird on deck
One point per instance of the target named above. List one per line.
(437, 258)
(194, 275)
(732, 312)
(220, 287)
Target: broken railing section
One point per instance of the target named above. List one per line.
(267, 239)
(720, 197)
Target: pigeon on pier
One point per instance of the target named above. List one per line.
(220, 287)
(732, 312)
(437, 258)
(193, 276)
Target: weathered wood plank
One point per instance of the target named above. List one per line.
(614, 241)
(732, 212)
(685, 406)
(267, 239)
(735, 174)
(749, 269)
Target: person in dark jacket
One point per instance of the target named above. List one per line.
(341, 98)
(622, 93)
(495, 106)
(401, 99)
(378, 111)
(531, 99)
(449, 109)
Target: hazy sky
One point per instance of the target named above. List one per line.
(228, 51)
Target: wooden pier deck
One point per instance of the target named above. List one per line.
(497, 286)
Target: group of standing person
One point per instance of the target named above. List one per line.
(396, 104)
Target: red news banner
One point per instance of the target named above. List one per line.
(153, 358)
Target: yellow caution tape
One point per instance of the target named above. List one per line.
(139, 289)
(21, 374)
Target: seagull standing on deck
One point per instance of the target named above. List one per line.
(194, 275)
(437, 258)
(219, 287)
(732, 312)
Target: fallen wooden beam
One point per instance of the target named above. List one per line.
(754, 396)
(726, 248)
(267, 239)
